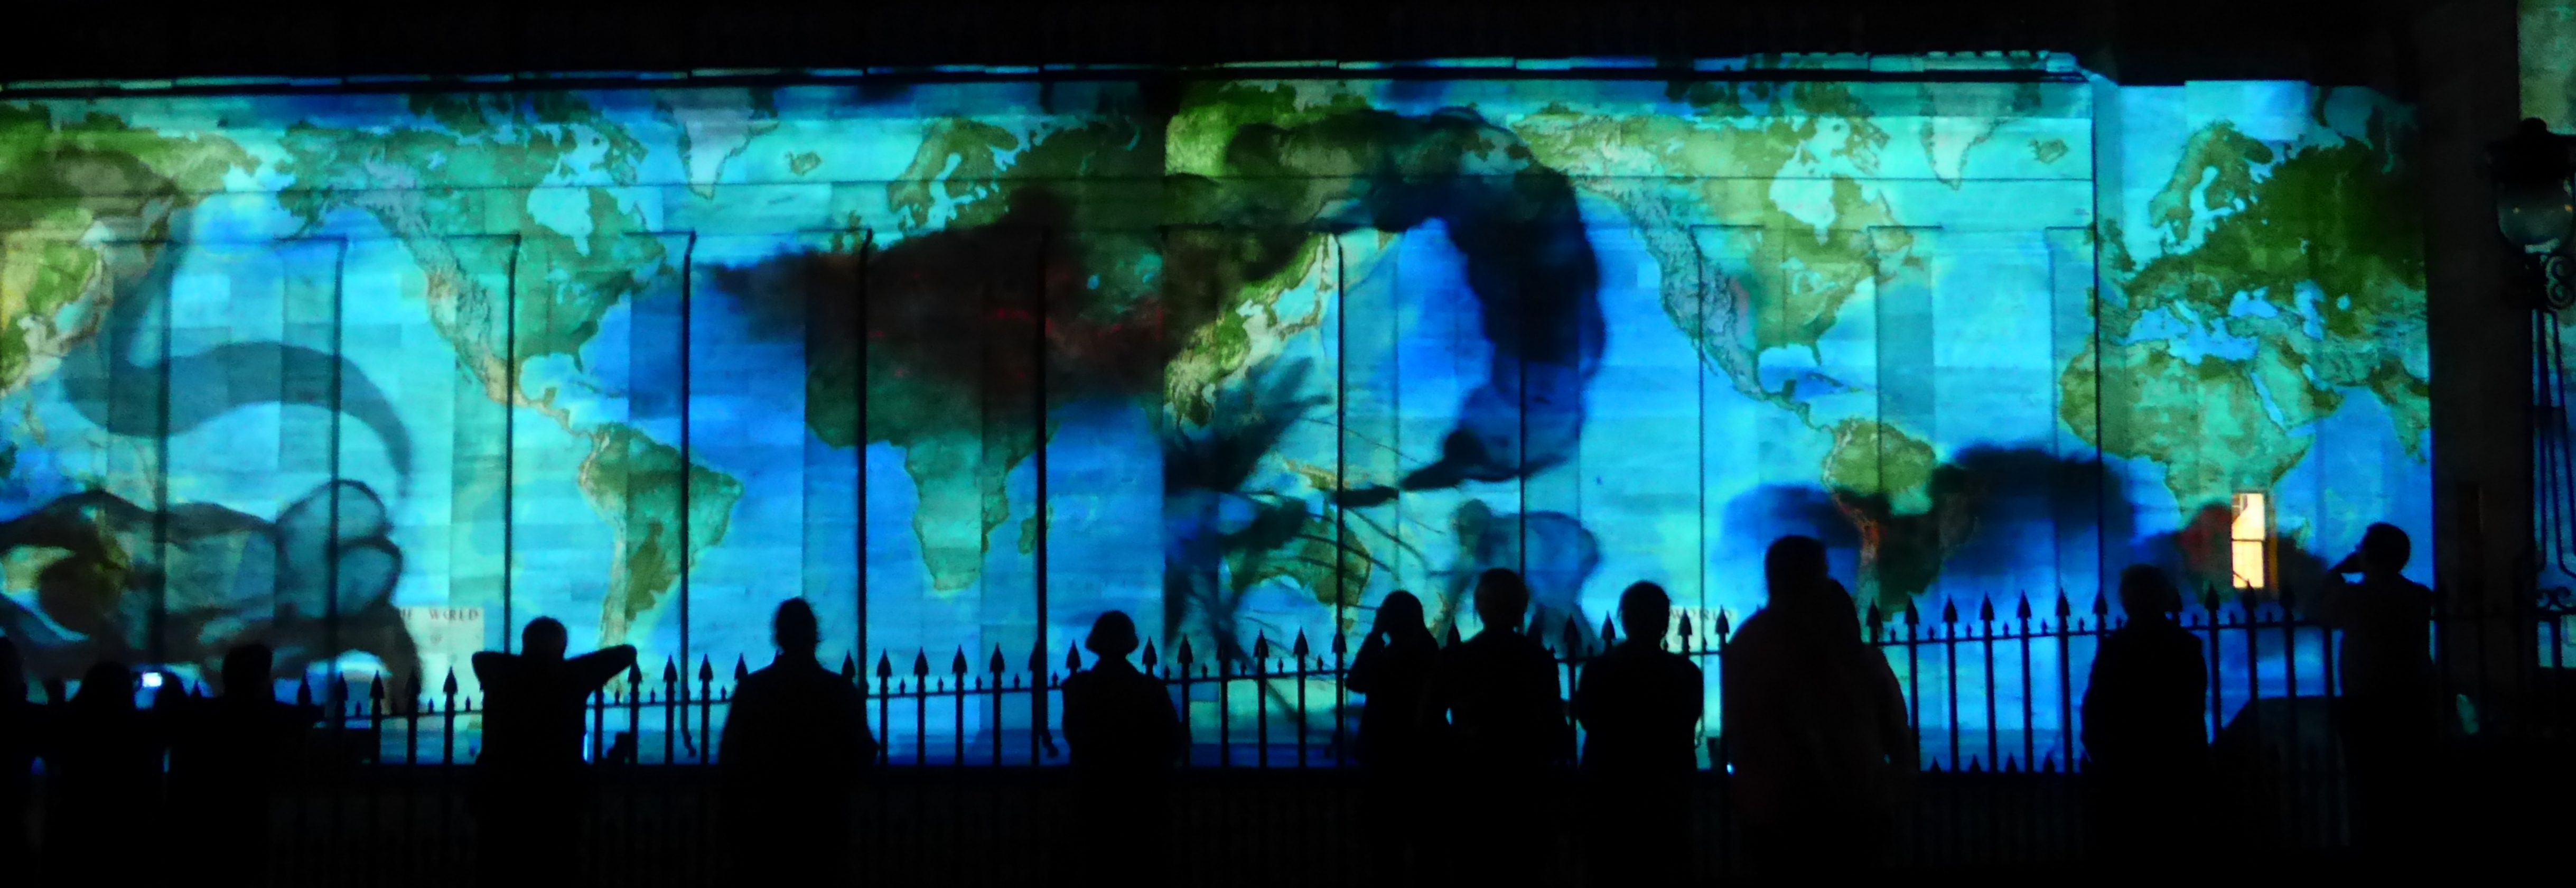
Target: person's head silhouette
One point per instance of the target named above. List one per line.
(1645, 612)
(107, 685)
(2384, 550)
(543, 639)
(1399, 618)
(1501, 600)
(1793, 568)
(2146, 593)
(1113, 637)
(795, 629)
(247, 672)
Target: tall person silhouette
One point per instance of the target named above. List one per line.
(1640, 708)
(1815, 726)
(795, 744)
(1497, 695)
(2143, 727)
(103, 769)
(530, 781)
(1124, 736)
(22, 727)
(1393, 667)
(226, 757)
(2390, 720)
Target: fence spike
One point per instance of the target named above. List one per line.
(920, 664)
(1985, 608)
(1186, 659)
(997, 664)
(1686, 629)
(2012, 765)
(1299, 649)
(1261, 646)
(1150, 660)
(1072, 658)
(1873, 619)
(2209, 598)
(957, 664)
(2064, 608)
(1911, 618)
(304, 692)
(670, 671)
(1609, 632)
(1949, 612)
(375, 690)
(2021, 609)
(634, 674)
(1340, 645)
(885, 667)
(1573, 636)
(1725, 623)
(849, 666)
(706, 669)
(1453, 634)
(2101, 604)
(741, 669)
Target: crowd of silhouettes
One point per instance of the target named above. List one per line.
(1461, 747)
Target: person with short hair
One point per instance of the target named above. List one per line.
(1814, 725)
(1124, 736)
(2143, 729)
(795, 742)
(1640, 708)
(531, 784)
(1495, 700)
(2390, 715)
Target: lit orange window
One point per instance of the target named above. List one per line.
(2249, 541)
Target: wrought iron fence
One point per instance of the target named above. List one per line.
(967, 794)
(1986, 691)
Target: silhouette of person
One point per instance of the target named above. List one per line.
(22, 729)
(225, 758)
(1815, 726)
(2389, 714)
(530, 789)
(795, 742)
(1393, 666)
(1124, 735)
(1640, 707)
(1497, 694)
(104, 769)
(2143, 728)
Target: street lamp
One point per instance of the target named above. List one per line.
(2536, 212)
(2535, 207)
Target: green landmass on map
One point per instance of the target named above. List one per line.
(58, 182)
(1911, 509)
(1786, 278)
(504, 286)
(2255, 239)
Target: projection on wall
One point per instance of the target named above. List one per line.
(380, 378)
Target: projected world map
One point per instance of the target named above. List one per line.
(650, 361)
